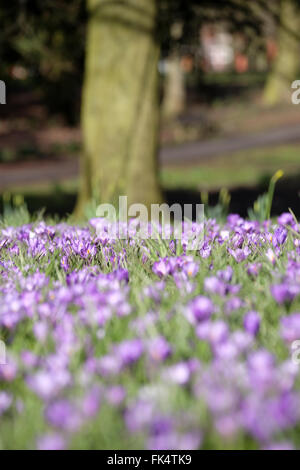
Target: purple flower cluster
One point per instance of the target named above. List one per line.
(182, 347)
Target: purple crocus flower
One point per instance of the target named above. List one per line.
(8, 371)
(5, 402)
(173, 440)
(281, 445)
(115, 395)
(64, 263)
(242, 340)
(252, 323)
(200, 308)
(159, 349)
(225, 350)
(42, 384)
(228, 425)
(205, 250)
(213, 285)
(29, 359)
(53, 441)
(109, 365)
(191, 268)
(261, 369)
(63, 414)
(261, 361)
(40, 330)
(91, 402)
(271, 256)
(290, 328)
(179, 373)
(47, 384)
(129, 351)
(253, 269)
(280, 236)
(234, 220)
(213, 332)
(240, 254)
(233, 304)
(139, 415)
(225, 274)
(286, 219)
(161, 268)
(283, 293)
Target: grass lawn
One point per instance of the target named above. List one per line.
(246, 168)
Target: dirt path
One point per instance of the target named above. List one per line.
(197, 152)
(27, 173)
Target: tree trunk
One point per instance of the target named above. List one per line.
(278, 87)
(120, 107)
(174, 89)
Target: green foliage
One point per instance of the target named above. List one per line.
(221, 209)
(47, 39)
(262, 207)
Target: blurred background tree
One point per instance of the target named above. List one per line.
(287, 63)
(120, 113)
(120, 110)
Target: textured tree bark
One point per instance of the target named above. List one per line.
(120, 106)
(286, 66)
